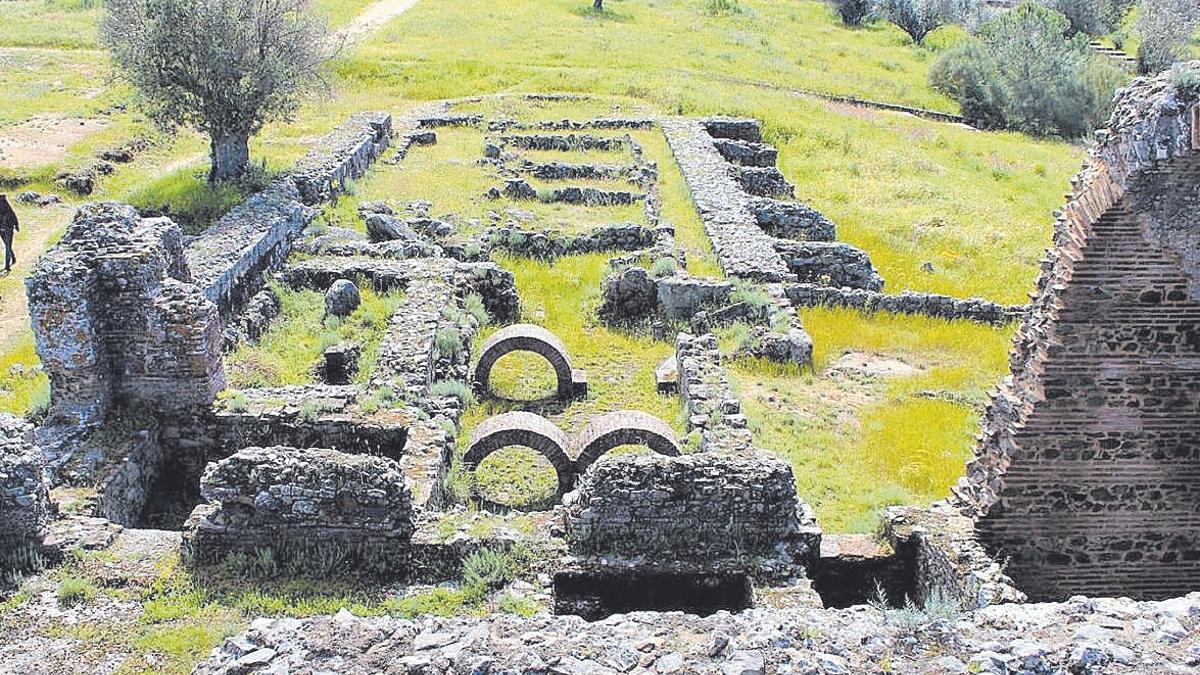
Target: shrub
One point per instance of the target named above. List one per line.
(74, 590)
(1022, 73)
(473, 303)
(717, 7)
(663, 267)
(853, 12)
(919, 18)
(1166, 28)
(456, 388)
(448, 342)
(488, 569)
(1094, 17)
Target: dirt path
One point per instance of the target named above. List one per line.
(373, 18)
(38, 226)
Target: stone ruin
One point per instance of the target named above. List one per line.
(1081, 479)
(1085, 478)
(25, 508)
(303, 505)
(118, 321)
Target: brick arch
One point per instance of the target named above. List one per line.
(530, 338)
(526, 430)
(623, 427)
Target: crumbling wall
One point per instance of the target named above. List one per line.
(116, 320)
(24, 499)
(707, 510)
(313, 506)
(1087, 473)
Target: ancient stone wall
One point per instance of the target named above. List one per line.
(228, 259)
(116, 320)
(743, 249)
(706, 510)
(317, 505)
(906, 302)
(1087, 475)
(24, 500)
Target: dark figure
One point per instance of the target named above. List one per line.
(8, 225)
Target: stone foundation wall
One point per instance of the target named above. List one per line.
(1087, 474)
(116, 320)
(315, 504)
(24, 498)
(743, 249)
(345, 154)
(709, 510)
(124, 489)
(951, 564)
(906, 302)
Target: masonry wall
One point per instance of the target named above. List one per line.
(1087, 477)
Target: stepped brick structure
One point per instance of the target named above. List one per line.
(1087, 477)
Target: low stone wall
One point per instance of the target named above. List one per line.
(792, 220)
(704, 385)
(706, 511)
(951, 564)
(907, 302)
(343, 155)
(566, 143)
(546, 244)
(115, 318)
(316, 507)
(25, 509)
(743, 250)
(124, 489)
(830, 264)
(228, 260)
(765, 182)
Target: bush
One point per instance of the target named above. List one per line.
(718, 7)
(473, 303)
(448, 342)
(488, 569)
(73, 590)
(456, 388)
(1022, 73)
(663, 267)
(1093, 17)
(919, 18)
(1166, 28)
(853, 12)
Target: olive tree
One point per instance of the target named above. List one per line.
(222, 67)
(1166, 28)
(919, 18)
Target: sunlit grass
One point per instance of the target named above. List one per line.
(23, 387)
(859, 442)
(289, 352)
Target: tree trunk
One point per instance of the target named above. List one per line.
(230, 157)
(598, 5)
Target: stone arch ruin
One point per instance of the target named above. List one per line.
(1087, 475)
(530, 338)
(623, 427)
(527, 430)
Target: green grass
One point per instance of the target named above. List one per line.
(290, 350)
(23, 387)
(187, 198)
(859, 443)
(645, 54)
